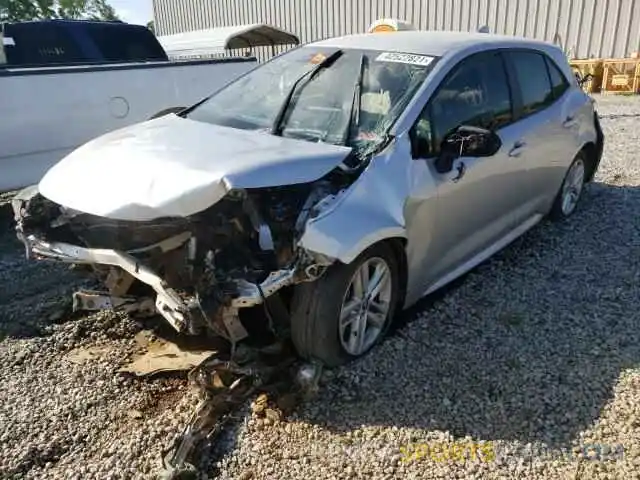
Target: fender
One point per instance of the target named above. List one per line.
(345, 244)
(369, 211)
(582, 107)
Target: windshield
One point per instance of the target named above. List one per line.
(344, 97)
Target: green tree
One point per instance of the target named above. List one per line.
(22, 10)
(151, 26)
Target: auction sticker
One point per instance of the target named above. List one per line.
(408, 58)
(318, 58)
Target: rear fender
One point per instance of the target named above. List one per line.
(599, 146)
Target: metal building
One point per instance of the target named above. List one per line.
(584, 28)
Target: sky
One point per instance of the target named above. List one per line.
(133, 11)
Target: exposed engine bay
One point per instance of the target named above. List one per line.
(196, 271)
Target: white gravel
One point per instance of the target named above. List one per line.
(535, 354)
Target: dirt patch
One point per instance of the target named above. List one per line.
(164, 400)
(88, 354)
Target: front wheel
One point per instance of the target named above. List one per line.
(571, 190)
(166, 111)
(344, 313)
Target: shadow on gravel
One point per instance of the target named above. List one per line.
(528, 347)
(613, 116)
(33, 295)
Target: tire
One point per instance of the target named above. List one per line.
(316, 309)
(574, 180)
(166, 111)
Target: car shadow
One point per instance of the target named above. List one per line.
(532, 357)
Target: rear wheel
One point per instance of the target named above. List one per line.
(571, 190)
(342, 315)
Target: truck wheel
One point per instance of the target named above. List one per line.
(166, 111)
(344, 313)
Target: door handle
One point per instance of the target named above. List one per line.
(461, 169)
(569, 122)
(517, 148)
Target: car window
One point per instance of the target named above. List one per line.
(475, 93)
(559, 83)
(327, 108)
(535, 85)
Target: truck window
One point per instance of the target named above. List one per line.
(120, 42)
(40, 43)
(3, 58)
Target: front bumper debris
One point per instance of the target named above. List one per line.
(168, 303)
(178, 309)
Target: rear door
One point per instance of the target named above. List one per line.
(544, 146)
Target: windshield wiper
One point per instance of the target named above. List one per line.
(298, 85)
(354, 117)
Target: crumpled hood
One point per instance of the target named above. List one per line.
(172, 166)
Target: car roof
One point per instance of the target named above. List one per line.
(434, 43)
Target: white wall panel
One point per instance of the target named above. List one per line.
(601, 28)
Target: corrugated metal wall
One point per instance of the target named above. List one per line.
(598, 28)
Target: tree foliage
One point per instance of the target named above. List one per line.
(23, 10)
(151, 26)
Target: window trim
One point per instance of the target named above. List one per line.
(514, 94)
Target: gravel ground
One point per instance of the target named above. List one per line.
(532, 360)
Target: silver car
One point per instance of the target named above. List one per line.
(315, 196)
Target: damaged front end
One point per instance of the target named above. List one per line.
(197, 271)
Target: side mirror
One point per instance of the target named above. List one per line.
(466, 141)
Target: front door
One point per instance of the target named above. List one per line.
(475, 205)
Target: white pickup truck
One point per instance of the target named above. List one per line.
(63, 83)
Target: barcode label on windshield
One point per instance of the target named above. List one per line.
(409, 58)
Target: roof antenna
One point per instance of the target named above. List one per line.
(484, 29)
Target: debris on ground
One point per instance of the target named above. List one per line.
(224, 385)
(162, 356)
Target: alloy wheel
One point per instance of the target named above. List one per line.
(365, 306)
(572, 187)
